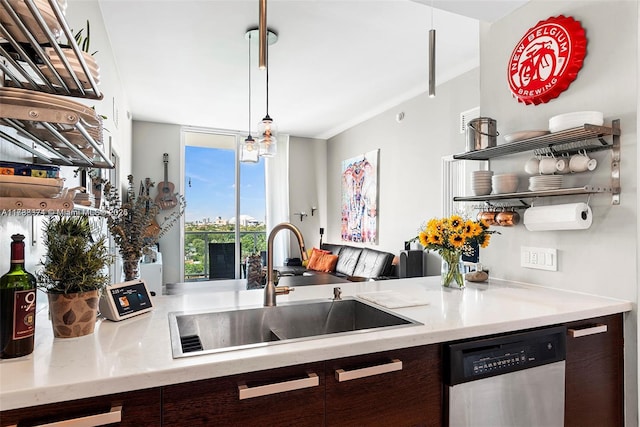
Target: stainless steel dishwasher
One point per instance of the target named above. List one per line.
(507, 381)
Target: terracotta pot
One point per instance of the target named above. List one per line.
(73, 315)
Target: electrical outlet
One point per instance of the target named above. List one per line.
(539, 258)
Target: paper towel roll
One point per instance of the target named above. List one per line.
(572, 216)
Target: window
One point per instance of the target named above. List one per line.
(225, 214)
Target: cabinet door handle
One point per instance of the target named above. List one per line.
(591, 330)
(113, 416)
(246, 392)
(393, 365)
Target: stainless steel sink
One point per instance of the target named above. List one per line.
(217, 331)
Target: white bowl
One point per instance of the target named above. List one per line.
(575, 119)
(481, 192)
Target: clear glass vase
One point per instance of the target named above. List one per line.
(131, 269)
(451, 273)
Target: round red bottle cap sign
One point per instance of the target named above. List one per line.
(546, 60)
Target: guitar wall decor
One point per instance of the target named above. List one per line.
(166, 198)
(153, 228)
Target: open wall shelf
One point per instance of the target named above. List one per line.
(586, 138)
(570, 141)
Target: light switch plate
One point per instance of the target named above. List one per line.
(539, 258)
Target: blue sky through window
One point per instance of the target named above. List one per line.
(210, 185)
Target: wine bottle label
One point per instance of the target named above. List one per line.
(24, 314)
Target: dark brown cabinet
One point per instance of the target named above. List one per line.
(399, 387)
(133, 409)
(292, 395)
(594, 373)
(394, 388)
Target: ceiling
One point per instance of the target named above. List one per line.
(336, 62)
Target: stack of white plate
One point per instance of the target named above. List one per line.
(504, 183)
(481, 182)
(575, 119)
(545, 182)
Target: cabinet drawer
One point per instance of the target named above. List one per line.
(398, 387)
(594, 384)
(134, 409)
(285, 396)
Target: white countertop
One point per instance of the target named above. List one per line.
(136, 353)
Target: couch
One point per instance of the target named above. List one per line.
(353, 264)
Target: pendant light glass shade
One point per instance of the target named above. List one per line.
(249, 150)
(268, 137)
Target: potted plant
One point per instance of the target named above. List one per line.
(73, 274)
(132, 222)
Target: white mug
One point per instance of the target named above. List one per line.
(547, 165)
(531, 167)
(582, 163)
(562, 166)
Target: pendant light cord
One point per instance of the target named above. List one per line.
(249, 130)
(267, 84)
(431, 14)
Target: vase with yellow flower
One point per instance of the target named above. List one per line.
(452, 237)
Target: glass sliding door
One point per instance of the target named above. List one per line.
(224, 217)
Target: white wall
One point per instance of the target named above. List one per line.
(120, 136)
(307, 188)
(150, 142)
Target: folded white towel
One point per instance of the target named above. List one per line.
(393, 299)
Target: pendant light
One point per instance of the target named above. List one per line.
(432, 57)
(249, 148)
(268, 131)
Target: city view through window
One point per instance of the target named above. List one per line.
(210, 216)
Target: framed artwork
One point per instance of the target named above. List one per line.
(360, 198)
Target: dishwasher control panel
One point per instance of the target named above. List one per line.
(482, 358)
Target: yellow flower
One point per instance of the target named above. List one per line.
(424, 238)
(457, 223)
(457, 240)
(434, 226)
(469, 229)
(434, 239)
(454, 234)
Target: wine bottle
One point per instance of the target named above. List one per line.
(17, 305)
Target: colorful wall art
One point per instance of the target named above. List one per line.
(360, 198)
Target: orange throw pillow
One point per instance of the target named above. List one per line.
(327, 263)
(314, 259)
